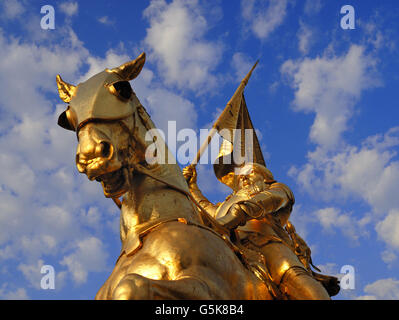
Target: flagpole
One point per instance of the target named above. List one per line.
(204, 146)
(215, 127)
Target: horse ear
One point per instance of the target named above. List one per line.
(65, 90)
(130, 70)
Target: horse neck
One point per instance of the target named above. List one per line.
(150, 200)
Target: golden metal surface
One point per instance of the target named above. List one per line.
(65, 90)
(172, 246)
(259, 209)
(167, 251)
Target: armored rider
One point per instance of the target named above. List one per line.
(258, 209)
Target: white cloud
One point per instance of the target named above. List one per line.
(305, 35)
(30, 68)
(328, 217)
(178, 108)
(242, 64)
(374, 35)
(91, 217)
(111, 60)
(329, 86)
(388, 257)
(164, 105)
(41, 192)
(208, 183)
(384, 289)
(388, 230)
(69, 8)
(312, 7)
(330, 268)
(372, 162)
(301, 220)
(367, 173)
(33, 275)
(16, 294)
(105, 20)
(12, 9)
(32, 272)
(377, 32)
(90, 255)
(333, 218)
(263, 17)
(176, 39)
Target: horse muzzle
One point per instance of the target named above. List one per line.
(113, 177)
(115, 183)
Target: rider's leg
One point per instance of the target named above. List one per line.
(298, 284)
(290, 274)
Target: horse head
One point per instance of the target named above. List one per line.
(101, 111)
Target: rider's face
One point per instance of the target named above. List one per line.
(251, 179)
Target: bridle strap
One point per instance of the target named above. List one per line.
(98, 120)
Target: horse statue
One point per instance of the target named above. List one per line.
(170, 249)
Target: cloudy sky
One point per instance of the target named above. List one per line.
(324, 100)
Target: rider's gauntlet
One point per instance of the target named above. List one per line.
(240, 213)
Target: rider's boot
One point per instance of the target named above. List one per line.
(298, 284)
(288, 272)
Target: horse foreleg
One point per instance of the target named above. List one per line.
(136, 287)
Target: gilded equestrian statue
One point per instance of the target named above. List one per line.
(169, 248)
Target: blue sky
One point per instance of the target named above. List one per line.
(324, 101)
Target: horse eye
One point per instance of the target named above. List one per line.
(122, 89)
(64, 122)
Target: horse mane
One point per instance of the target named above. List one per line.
(169, 171)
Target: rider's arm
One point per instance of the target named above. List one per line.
(271, 200)
(191, 176)
(276, 197)
(202, 200)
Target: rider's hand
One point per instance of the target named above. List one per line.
(235, 217)
(190, 174)
(252, 209)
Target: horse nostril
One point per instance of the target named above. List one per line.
(105, 149)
